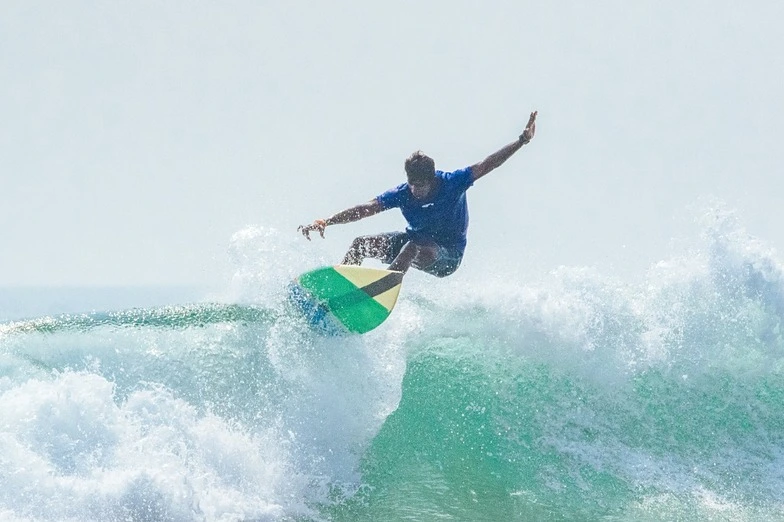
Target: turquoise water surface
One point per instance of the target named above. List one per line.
(576, 397)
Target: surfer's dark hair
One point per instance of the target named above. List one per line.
(420, 167)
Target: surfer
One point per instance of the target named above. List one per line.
(434, 205)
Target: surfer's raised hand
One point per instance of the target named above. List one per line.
(319, 225)
(496, 159)
(530, 129)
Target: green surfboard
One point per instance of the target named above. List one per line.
(346, 299)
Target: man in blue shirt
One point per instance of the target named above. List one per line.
(434, 205)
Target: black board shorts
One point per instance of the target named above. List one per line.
(447, 259)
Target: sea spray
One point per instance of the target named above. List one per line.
(573, 397)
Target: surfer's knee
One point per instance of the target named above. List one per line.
(425, 255)
(361, 247)
(355, 255)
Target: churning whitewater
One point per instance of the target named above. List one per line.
(579, 397)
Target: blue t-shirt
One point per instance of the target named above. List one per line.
(442, 217)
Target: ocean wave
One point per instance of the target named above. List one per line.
(577, 396)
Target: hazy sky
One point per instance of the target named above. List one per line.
(137, 136)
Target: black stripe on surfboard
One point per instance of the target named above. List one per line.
(387, 282)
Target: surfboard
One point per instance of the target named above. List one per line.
(345, 299)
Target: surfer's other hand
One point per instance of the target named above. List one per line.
(319, 225)
(530, 129)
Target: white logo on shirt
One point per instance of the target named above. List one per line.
(428, 205)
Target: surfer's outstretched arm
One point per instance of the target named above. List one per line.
(349, 215)
(496, 159)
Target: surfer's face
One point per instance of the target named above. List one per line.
(421, 174)
(421, 189)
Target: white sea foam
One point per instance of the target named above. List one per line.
(71, 450)
(264, 420)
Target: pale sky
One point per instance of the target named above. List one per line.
(138, 136)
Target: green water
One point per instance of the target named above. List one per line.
(589, 406)
(482, 439)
